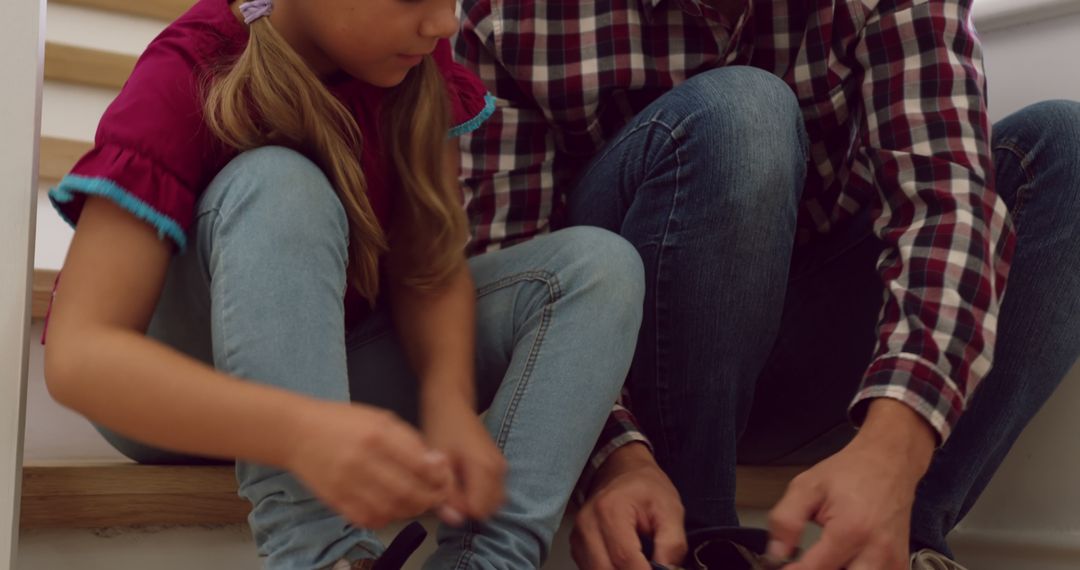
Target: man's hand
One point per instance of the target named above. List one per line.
(630, 496)
(862, 496)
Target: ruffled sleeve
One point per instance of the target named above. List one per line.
(152, 154)
(470, 102)
(135, 182)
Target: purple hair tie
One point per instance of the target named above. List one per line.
(256, 9)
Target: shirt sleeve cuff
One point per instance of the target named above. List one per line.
(917, 383)
(621, 429)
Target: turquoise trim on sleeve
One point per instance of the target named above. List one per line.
(475, 122)
(72, 183)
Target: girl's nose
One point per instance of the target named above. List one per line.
(443, 23)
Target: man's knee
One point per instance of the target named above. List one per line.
(1058, 120)
(751, 107)
(1038, 149)
(1047, 133)
(746, 127)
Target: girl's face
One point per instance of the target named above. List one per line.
(376, 41)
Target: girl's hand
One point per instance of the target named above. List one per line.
(367, 464)
(452, 426)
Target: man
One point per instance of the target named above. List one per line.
(827, 226)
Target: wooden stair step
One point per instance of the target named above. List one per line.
(87, 66)
(167, 10)
(762, 486)
(58, 155)
(41, 292)
(125, 494)
(116, 495)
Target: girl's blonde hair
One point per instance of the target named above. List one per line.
(269, 96)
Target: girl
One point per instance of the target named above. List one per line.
(295, 159)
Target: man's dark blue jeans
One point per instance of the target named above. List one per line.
(748, 355)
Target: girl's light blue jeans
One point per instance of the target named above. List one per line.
(258, 294)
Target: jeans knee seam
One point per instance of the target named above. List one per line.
(1022, 193)
(661, 248)
(609, 148)
(554, 294)
(226, 348)
(507, 423)
(548, 278)
(526, 375)
(466, 549)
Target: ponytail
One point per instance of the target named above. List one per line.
(270, 96)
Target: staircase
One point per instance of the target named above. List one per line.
(82, 504)
(72, 479)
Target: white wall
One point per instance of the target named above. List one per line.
(1029, 517)
(21, 58)
(1033, 62)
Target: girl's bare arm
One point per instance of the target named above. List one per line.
(99, 363)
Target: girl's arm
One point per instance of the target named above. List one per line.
(438, 331)
(99, 363)
(437, 328)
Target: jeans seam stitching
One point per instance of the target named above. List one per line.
(534, 275)
(661, 247)
(542, 275)
(225, 308)
(466, 549)
(554, 295)
(610, 147)
(1023, 192)
(526, 375)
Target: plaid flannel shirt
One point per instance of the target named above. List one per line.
(893, 96)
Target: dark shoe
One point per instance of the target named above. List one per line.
(729, 548)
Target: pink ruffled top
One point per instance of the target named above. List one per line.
(154, 156)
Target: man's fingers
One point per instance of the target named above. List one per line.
(788, 518)
(586, 543)
(669, 540)
(619, 528)
(669, 537)
(836, 548)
